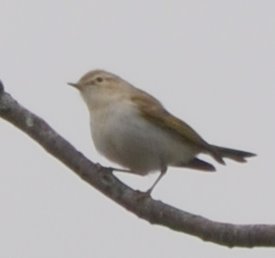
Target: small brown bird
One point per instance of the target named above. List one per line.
(133, 129)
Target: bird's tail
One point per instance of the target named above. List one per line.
(219, 153)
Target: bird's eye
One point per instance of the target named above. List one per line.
(99, 79)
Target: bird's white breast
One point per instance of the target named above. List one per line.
(122, 135)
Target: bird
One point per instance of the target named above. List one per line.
(133, 129)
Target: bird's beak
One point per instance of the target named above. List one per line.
(75, 85)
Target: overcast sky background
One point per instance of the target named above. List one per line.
(211, 63)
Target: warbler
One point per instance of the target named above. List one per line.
(133, 129)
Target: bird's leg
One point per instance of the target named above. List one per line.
(120, 170)
(149, 191)
(162, 173)
(98, 166)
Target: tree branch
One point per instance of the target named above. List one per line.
(156, 212)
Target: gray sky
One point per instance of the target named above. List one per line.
(211, 63)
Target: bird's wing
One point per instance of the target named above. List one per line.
(153, 110)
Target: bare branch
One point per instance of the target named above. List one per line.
(156, 212)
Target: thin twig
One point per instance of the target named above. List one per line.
(156, 212)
